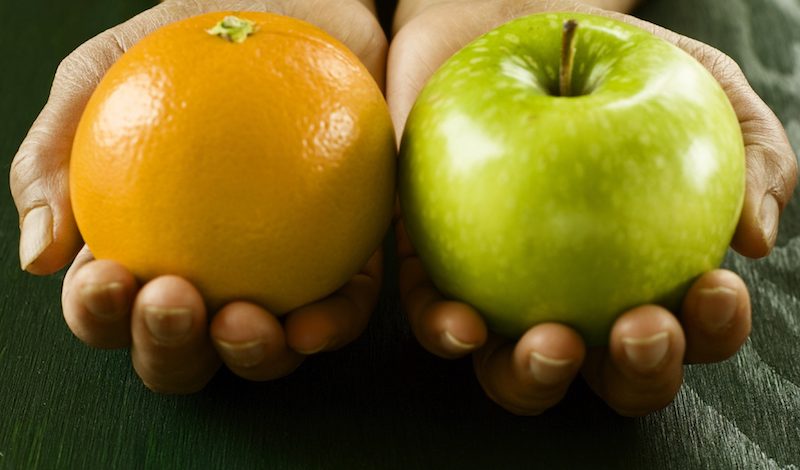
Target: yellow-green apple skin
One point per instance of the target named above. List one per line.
(534, 207)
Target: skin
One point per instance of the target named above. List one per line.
(641, 369)
(105, 307)
(174, 348)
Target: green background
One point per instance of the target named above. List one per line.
(383, 401)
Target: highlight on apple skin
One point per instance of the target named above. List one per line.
(537, 207)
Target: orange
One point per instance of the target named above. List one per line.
(260, 170)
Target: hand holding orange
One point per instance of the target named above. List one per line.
(253, 156)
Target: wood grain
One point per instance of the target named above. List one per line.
(383, 402)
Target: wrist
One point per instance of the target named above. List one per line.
(408, 9)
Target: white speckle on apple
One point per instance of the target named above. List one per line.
(550, 71)
(468, 142)
(477, 60)
(512, 38)
(684, 79)
(519, 73)
(619, 33)
(700, 162)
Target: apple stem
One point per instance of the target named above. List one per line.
(567, 57)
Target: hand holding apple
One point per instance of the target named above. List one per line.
(538, 196)
(647, 345)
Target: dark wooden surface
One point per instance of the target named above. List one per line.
(383, 402)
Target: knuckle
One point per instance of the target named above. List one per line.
(775, 166)
(639, 410)
(519, 398)
(522, 411)
(20, 172)
(66, 68)
(26, 175)
(723, 67)
(372, 40)
(76, 67)
(786, 164)
(645, 400)
(525, 404)
(168, 379)
(719, 64)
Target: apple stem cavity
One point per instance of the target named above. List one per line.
(567, 57)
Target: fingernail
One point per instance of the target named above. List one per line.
(36, 234)
(454, 344)
(548, 370)
(716, 306)
(645, 354)
(168, 324)
(247, 354)
(104, 300)
(315, 350)
(768, 216)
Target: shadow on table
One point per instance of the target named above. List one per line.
(386, 402)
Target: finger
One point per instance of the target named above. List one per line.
(340, 318)
(96, 299)
(642, 369)
(715, 317)
(422, 44)
(531, 376)
(172, 351)
(770, 161)
(251, 341)
(39, 183)
(446, 328)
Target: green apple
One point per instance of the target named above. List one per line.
(535, 204)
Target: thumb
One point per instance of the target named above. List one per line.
(770, 161)
(39, 177)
